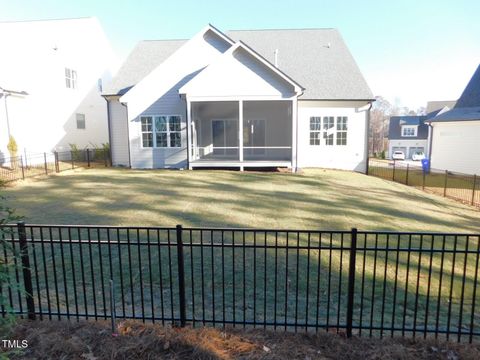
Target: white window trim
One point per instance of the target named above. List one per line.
(322, 131)
(84, 121)
(154, 132)
(414, 127)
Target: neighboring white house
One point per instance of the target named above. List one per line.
(52, 74)
(456, 133)
(256, 98)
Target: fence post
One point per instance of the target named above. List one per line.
(393, 178)
(181, 276)
(45, 162)
(71, 157)
(423, 183)
(406, 180)
(88, 157)
(351, 282)
(57, 167)
(474, 188)
(445, 184)
(23, 170)
(27, 275)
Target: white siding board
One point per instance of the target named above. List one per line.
(455, 146)
(349, 157)
(238, 74)
(157, 158)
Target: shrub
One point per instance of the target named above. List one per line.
(382, 155)
(76, 152)
(7, 280)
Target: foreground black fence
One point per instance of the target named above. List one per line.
(22, 167)
(358, 282)
(461, 187)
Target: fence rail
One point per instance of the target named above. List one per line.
(358, 282)
(22, 167)
(461, 187)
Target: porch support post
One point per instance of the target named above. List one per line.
(294, 134)
(240, 133)
(189, 138)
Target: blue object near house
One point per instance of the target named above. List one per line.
(426, 165)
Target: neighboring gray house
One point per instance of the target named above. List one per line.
(456, 132)
(256, 98)
(408, 134)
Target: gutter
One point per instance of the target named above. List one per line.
(109, 128)
(367, 132)
(430, 141)
(128, 136)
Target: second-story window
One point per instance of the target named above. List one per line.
(70, 78)
(409, 131)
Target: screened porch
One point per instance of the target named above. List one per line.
(252, 133)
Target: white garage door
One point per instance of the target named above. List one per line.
(413, 150)
(399, 148)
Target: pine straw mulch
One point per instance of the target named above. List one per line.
(94, 340)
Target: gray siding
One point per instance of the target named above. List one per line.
(169, 104)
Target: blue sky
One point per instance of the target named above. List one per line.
(409, 51)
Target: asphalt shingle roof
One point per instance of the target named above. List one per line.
(317, 59)
(471, 95)
(145, 57)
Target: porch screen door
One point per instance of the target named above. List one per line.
(224, 137)
(254, 136)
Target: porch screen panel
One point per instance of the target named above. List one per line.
(267, 130)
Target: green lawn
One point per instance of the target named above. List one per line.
(317, 199)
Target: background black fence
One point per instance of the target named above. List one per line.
(461, 187)
(22, 167)
(358, 282)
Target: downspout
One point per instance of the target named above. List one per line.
(128, 137)
(367, 132)
(109, 129)
(188, 129)
(296, 135)
(430, 142)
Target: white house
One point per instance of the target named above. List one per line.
(256, 98)
(455, 134)
(52, 74)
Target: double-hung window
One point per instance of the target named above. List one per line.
(315, 128)
(342, 126)
(328, 129)
(161, 131)
(70, 78)
(409, 131)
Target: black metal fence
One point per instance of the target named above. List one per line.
(461, 187)
(358, 282)
(22, 167)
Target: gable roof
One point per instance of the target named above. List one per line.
(471, 95)
(318, 59)
(396, 123)
(179, 68)
(145, 57)
(439, 104)
(467, 107)
(215, 72)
